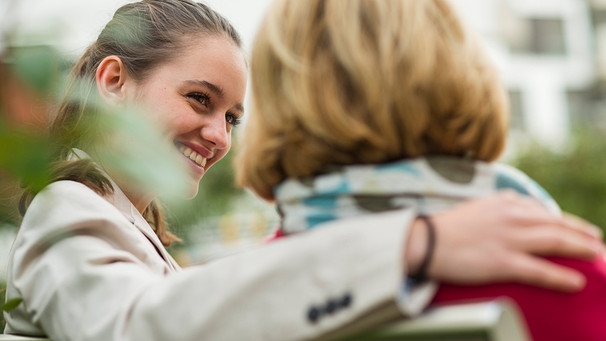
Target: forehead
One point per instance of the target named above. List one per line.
(215, 59)
(210, 48)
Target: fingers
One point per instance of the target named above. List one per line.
(582, 225)
(532, 212)
(503, 237)
(543, 273)
(556, 239)
(523, 210)
(535, 230)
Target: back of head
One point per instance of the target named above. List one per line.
(363, 81)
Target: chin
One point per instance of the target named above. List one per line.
(192, 189)
(191, 193)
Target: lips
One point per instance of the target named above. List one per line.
(193, 155)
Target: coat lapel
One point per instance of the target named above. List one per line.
(123, 204)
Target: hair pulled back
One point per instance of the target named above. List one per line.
(143, 35)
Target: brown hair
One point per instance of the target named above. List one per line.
(362, 81)
(143, 35)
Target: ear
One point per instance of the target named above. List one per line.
(111, 78)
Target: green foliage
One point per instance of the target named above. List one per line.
(11, 304)
(134, 148)
(576, 178)
(6, 305)
(25, 155)
(2, 304)
(39, 66)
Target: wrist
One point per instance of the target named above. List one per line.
(420, 248)
(414, 248)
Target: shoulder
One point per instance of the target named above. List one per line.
(66, 196)
(64, 206)
(508, 177)
(571, 316)
(65, 190)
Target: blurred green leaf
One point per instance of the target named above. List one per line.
(135, 147)
(38, 66)
(2, 290)
(11, 304)
(24, 155)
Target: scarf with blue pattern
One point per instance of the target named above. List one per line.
(427, 184)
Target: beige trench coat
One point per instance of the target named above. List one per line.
(91, 268)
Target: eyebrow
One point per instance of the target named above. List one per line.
(217, 90)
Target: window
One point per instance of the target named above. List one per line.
(541, 36)
(516, 118)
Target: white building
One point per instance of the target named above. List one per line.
(544, 50)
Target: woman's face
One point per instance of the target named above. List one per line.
(199, 97)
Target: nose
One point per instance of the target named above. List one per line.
(216, 131)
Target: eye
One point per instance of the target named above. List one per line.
(232, 119)
(199, 97)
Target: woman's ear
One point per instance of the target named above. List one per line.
(111, 78)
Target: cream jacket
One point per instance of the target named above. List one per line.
(91, 268)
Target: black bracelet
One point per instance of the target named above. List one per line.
(421, 274)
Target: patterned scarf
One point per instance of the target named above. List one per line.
(427, 184)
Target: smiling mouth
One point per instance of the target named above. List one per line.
(193, 156)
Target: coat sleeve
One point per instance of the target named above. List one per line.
(86, 281)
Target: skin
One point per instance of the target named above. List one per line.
(505, 245)
(197, 97)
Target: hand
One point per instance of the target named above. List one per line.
(501, 238)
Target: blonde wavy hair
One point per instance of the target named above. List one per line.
(340, 82)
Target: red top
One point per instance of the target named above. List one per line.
(550, 315)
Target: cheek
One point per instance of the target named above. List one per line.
(221, 153)
(224, 152)
(158, 115)
(177, 125)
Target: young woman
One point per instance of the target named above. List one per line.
(378, 106)
(89, 261)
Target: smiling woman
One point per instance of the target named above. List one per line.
(197, 98)
(131, 70)
(181, 64)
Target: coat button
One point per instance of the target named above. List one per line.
(313, 314)
(332, 306)
(346, 300)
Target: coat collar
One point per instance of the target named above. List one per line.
(119, 200)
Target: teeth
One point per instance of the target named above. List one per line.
(200, 160)
(192, 155)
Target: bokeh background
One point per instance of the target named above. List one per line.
(552, 59)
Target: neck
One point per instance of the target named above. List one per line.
(140, 200)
